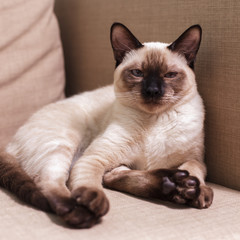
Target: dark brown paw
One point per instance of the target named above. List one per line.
(177, 186)
(80, 217)
(75, 215)
(62, 205)
(93, 199)
(205, 198)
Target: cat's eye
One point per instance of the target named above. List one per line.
(136, 73)
(170, 75)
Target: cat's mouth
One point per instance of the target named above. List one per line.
(152, 101)
(154, 105)
(156, 100)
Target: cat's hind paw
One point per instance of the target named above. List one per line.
(188, 190)
(187, 187)
(205, 198)
(177, 186)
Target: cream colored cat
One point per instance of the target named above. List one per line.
(145, 133)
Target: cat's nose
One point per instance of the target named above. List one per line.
(153, 91)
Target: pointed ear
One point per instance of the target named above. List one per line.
(122, 41)
(188, 44)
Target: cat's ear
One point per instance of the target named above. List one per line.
(122, 41)
(188, 44)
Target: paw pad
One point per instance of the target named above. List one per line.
(179, 187)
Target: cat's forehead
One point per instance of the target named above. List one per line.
(158, 55)
(155, 55)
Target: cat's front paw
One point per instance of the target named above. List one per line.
(80, 217)
(73, 214)
(93, 199)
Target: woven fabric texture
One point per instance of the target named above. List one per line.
(31, 60)
(85, 29)
(129, 218)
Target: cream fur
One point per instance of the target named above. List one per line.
(100, 132)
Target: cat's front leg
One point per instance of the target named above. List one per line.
(106, 152)
(85, 184)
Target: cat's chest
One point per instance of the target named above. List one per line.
(164, 143)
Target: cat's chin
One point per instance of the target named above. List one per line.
(154, 107)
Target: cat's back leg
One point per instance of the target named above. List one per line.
(44, 149)
(13, 178)
(47, 192)
(166, 184)
(49, 173)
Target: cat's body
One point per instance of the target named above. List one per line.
(153, 121)
(151, 141)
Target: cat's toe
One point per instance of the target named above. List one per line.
(179, 199)
(80, 217)
(93, 199)
(205, 198)
(178, 186)
(72, 213)
(61, 205)
(178, 175)
(188, 187)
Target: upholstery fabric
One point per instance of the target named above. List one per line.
(31, 60)
(32, 75)
(129, 218)
(89, 60)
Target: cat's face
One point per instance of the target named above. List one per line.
(153, 76)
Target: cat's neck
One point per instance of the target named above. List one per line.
(129, 113)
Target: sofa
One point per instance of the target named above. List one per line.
(49, 51)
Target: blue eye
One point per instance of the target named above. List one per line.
(136, 73)
(170, 75)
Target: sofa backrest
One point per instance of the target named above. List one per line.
(89, 60)
(31, 62)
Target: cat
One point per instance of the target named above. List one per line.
(142, 135)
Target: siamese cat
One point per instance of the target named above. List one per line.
(143, 135)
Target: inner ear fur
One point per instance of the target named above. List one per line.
(188, 44)
(122, 41)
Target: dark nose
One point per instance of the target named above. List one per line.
(153, 88)
(153, 91)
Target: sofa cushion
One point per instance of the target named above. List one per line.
(31, 62)
(129, 218)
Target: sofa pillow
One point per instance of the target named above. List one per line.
(31, 62)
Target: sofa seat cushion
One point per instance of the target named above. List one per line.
(129, 218)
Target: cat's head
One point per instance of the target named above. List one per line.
(154, 76)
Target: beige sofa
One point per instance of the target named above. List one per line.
(32, 75)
